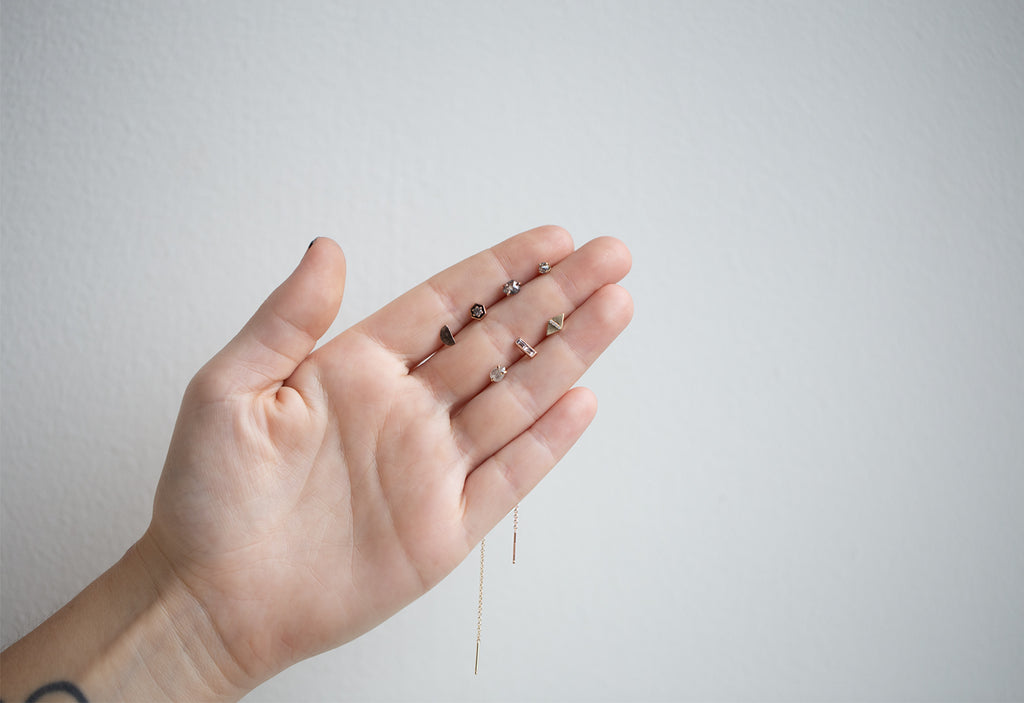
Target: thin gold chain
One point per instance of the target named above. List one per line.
(480, 596)
(479, 608)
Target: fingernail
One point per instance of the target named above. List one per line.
(311, 244)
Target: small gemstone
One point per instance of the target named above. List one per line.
(477, 312)
(511, 288)
(498, 373)
(544, 267)
(526, 348)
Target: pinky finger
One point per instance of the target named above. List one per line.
(500, 482)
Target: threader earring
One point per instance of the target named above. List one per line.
(515, 531)
(554, 325)
(479, 609)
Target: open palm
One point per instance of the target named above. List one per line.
(307, 496)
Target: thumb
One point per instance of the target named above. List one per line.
(287, 326)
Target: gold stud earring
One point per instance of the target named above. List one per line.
(555, 324)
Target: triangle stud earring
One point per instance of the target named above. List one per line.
(556, 323)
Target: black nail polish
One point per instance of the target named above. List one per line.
(311, 244)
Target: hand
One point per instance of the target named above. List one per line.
(307, 496)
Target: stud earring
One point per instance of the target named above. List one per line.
(555, 324)
(526, 348)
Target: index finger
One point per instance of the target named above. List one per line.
(409, 326)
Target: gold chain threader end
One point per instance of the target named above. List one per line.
(515, 531)
(479, 609)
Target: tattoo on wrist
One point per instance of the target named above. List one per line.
(67, 687)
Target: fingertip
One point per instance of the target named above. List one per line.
(622, 305)
(322, 247)
(558, 238)
(549, 243)
(327, 259)
(611, 307)
(623, 252)
(584, 403)
(569, 417)
(618, 255)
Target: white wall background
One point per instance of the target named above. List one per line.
(806, 479)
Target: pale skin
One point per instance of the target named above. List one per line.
(309, 495)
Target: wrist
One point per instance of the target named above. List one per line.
(172, 636)
(135, 633)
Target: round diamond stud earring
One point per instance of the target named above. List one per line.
(512, 287)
